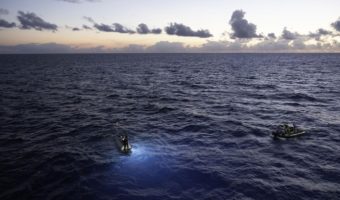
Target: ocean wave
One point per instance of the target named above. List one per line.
(199, 125)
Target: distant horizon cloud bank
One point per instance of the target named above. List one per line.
(266, 46)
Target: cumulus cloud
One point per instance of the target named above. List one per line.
(241, 27)
(144, 29)
(280, 45)
(182, 30)
(156, 31)
(32, 21)
(320, 32)
(167, 47)
(336, 25)
(6, 24)
(4, 11)
(288, 35)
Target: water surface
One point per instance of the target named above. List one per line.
(200, 126)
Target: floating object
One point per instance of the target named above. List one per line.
(286, 131)
(121, 146)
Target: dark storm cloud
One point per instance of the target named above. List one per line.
(241, 27)
(32, 21)
(144, 29)
(4, 11)
(271, 35)
(288, 35)
(182, 30)
(6, 24)
(78, 1)
(336, 25)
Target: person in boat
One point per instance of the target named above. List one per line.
(125, 142)
(283, 129)
(286, 129)
(295, 129)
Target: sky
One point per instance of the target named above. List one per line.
(159, 26)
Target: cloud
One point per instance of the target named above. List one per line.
(288, 35)
(336, 25)
(221, 47)
(79, 1)
(87, 27)
(36, 48)
(241, 27)
(121, 29)
(271, 35)
(167, 47)
(156, 31)
(89, 19)
(6, 24)
(238, 46)
(182, 30)
(116, 27)
(132, 48)
(144, 29)
(103, 27)
(4, 11)
(49, 48)
(320, 32)
(73, 28)
(32, 21)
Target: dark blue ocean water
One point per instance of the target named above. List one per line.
(200, 126)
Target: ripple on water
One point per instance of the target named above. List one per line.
(200, 126)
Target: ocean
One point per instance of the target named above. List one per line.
(199, 125)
